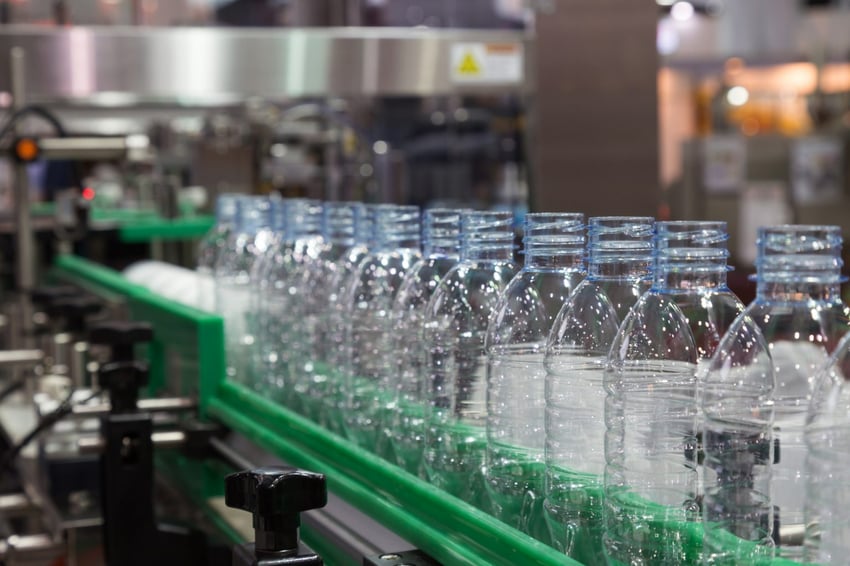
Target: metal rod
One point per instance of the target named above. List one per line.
(164, 439)
(146, 405)
(15, 504)
(18, 358)
(25, 260)
(81, 148)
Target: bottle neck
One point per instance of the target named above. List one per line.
(787, 291)
(487, 253)
(397, 227)
(487, 236)
(440, 248)
(543, 260)
(679, 279)
(441, 232)
(614, 269)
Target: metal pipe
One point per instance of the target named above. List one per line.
(164, 439)
(175, 404)
(82, 148)
(18, 358)
(79, 363)
(15, 505)
(25, 260)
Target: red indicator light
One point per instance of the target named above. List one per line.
(88, 193)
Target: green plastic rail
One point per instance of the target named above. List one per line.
(158, 228)
(143, 225)
(189, 350)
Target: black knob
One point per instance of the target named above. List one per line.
(276, 496)
(122, 335)
(44, 296)
(123, 379)
(74, 311)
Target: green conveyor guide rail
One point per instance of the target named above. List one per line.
(143, 225)
(188, 350)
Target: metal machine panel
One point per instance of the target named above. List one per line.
(118, 66)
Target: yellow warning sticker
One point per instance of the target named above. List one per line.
(487, 63)
(468, 65)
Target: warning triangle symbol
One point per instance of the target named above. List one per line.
(469, 66)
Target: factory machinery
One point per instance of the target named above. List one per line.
(122, 442)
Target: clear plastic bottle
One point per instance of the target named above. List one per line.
(454, 331)
(828, 463)
(276, 280)
(757, 392)
(369, 325)
(334, 319)
(516, 346)
(311, 344)
(211, 247)
(619, 264)
(651, 482)
(250, 238)
(441, 252)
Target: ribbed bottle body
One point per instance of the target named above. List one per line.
(249, 240)
(554, 248)
(275, 279)
(211, 247)
(652, 384)
(405, 371)
(757, 391)
(827, 513)
(620, 255)
(310, 366)
(335, 321)
(370, 295)
(454, 331)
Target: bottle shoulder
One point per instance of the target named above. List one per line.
(655, 329)
(527, 309)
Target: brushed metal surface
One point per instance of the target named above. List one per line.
(123, 66)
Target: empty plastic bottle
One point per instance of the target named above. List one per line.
(441, 252)
(311, 344)
(250, 238)
(211, 247)
(334, 319)
(757, 393)
(276, 278)
(454, 332)
(828, 463)
(651, 482)
(516, 345)
(369, 325)
(619, 264)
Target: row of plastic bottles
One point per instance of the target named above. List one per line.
(611, 397)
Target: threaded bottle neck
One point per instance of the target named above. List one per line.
(253, 214)
(690, 255)
(225, 208)
(486, 235)
(396, 227)
(554, 240)
(302, 218)
(441, 232)
(338, 222)
(798, 261)
(620, 247)
(364, 225)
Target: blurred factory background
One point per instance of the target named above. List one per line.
(676, 109)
